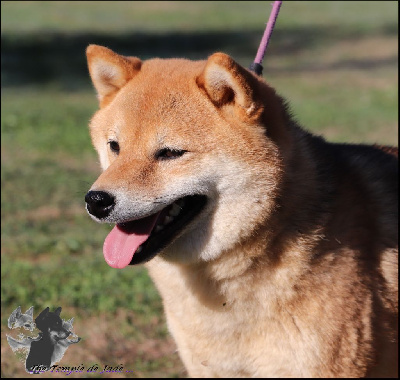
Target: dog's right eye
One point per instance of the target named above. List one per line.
(114, 146)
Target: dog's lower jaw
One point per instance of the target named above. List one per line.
(209, 239)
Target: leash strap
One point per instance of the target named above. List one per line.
(256, 65)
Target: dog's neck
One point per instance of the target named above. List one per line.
(235, 276)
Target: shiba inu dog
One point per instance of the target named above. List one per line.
(274, 251)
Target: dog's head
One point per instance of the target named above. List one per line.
(18, 319)
(189, 151)
(51, 324)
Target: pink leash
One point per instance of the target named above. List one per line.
(256, 65)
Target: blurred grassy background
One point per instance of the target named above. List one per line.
(335, 61)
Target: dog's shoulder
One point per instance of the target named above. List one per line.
(369, 159)
(365, 209)
(373, 172)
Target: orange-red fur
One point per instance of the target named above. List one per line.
(292, 269)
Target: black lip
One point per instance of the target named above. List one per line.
(194, 204)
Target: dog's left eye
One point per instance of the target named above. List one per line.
(167, 153)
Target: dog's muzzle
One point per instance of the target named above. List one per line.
(99, 203)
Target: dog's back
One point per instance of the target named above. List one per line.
(362, 232)
(366, 223)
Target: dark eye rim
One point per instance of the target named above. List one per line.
(114, 146)
(169, 153)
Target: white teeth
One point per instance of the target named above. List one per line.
(168, 220)
(139, 249)
(175, 210)
(159, 228)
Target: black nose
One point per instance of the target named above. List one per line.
(99, 203)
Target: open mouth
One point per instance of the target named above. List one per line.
(140, 240)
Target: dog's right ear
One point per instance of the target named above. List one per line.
(43, 314)
(15, 315)
(110, 71)
(18, 312)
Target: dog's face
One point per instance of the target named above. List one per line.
(57, 334)
(50, 323)
(175, 138)
(68, 324)
(18, 319)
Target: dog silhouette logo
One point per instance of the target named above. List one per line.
(52, 341)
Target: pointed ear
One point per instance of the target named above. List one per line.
(30, 311)
(43, 314)
(110, 71)
(18, 312)
(226, 82)
(57, 311)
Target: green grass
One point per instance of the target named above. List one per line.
(105, 291)
(26, 17)
(336, 62)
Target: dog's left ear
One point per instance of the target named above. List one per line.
(30, 311)
(58, 311)
(226, 82)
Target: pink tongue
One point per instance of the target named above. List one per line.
(123, 241)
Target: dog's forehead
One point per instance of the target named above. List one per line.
(171, 69)
(161, 105)
(153, 100)
(157, 98)
(162, 86)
